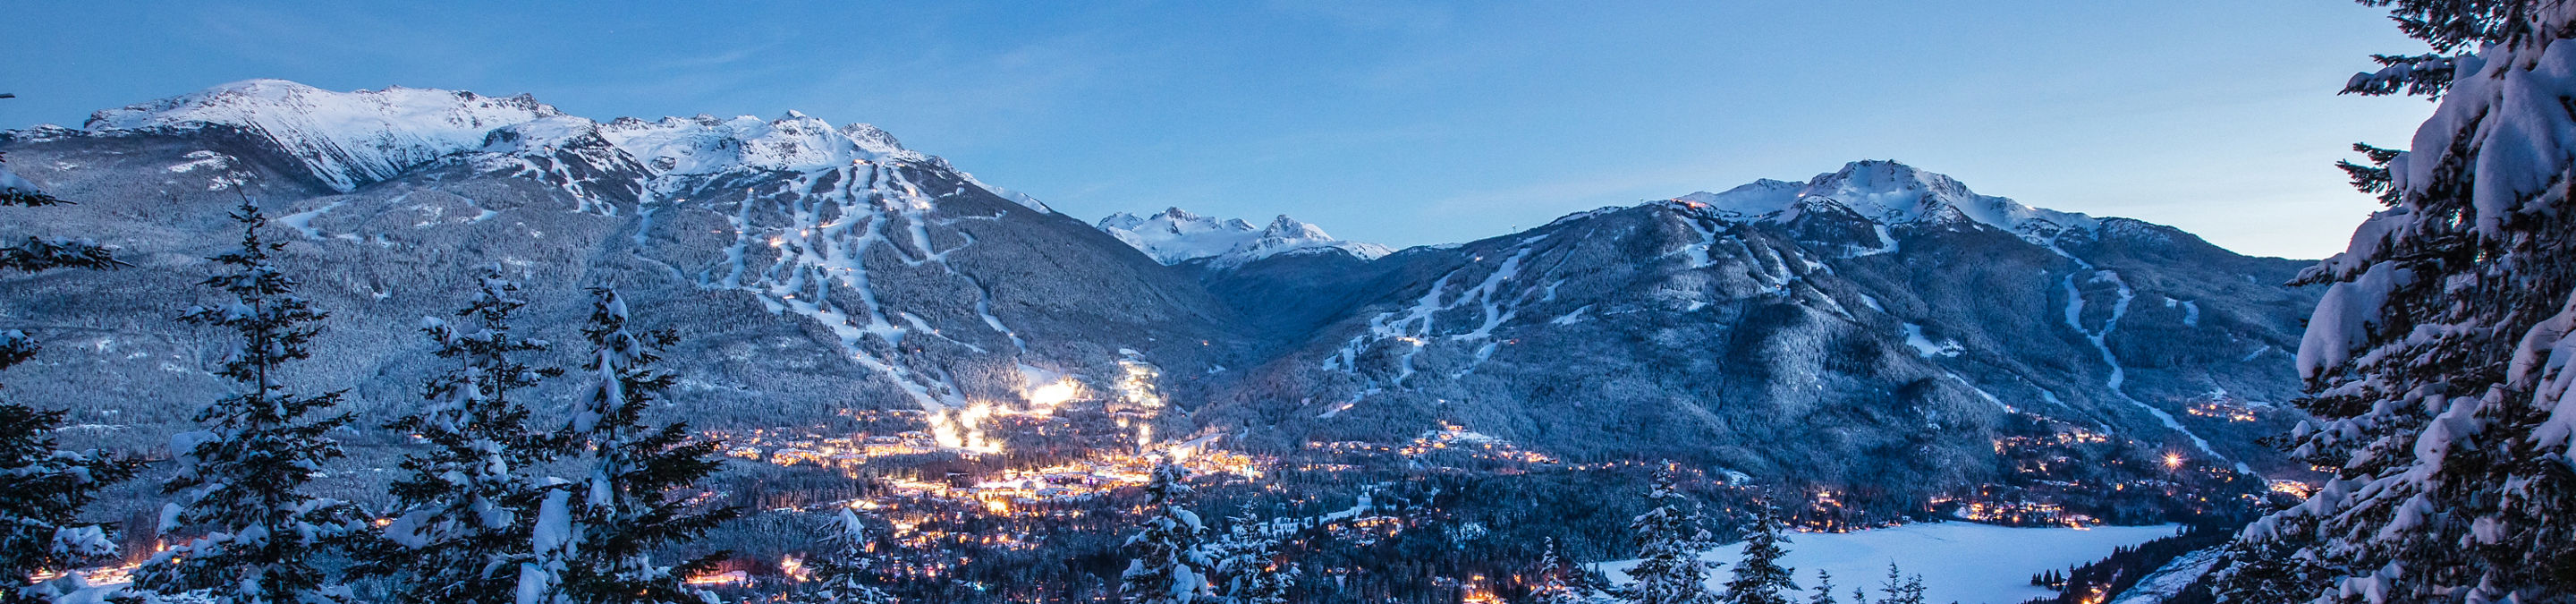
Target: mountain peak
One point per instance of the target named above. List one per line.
(794, 142)
(1886, 192)
(1175, 235)
(347, 138)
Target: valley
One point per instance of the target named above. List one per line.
(859, 326)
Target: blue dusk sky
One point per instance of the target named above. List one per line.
(1392, 122)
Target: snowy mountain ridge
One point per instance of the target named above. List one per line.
(346, 138)
(349, 139)
(1174, 236)
(828, 269)
(1887, 193)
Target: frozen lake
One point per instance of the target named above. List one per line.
(1962, 562)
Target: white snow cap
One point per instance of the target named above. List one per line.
(534, 135)
(346, 137)
(1888, 193)
(1175, 236)
(794, 142)
(349, 139)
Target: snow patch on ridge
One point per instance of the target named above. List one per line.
(1926, 346)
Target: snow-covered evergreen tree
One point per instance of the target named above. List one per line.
(1247, 560)
(838, 572)
(1166, 564)
(1899, 589)
(1669, 541)
(465, 513)
(1824, 589)
(2438, 361)
(246, 531)
(42, 490)
(595, 535)
(1554, 579)
(1759, 577)
(2262, 573)
(42, 486)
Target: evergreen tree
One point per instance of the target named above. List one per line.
(2437, 361)
(1248, 560)
(42, 490)
(1554, 577)
(1165, 563)
(1759, 578)
(254, 536)
(1669, 540)
(1824, 588)
(595, 535)
(42, 486)
(464, 514)
(839, 573)
(1900, 589)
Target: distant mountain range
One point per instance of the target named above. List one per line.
(1872, 325)
(1175, 236)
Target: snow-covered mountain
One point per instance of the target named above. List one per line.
(348, 139)
(1888, 194)
(819, 268)
(1175, 236)
(1875, 325)
(344, 138)
(1877, 313)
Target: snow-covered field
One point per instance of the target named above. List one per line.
(1960, 562)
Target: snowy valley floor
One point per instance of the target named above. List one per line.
(1960, 562)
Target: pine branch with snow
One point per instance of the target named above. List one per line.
(15, 190)
(2262, 572)
(246, 530)
(38, 253)
(2417, 75)
(467, 509)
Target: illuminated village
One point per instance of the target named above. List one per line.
(962, 498)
